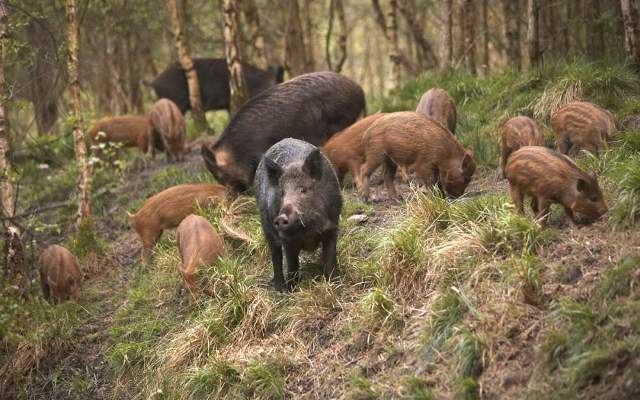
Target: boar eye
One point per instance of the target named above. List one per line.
(303, 190)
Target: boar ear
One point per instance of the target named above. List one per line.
(208, 157)
(274, 171)
(313, 164)
(466, 161)
(470, 151)
(592, 174)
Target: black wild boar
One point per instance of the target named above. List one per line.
(310, 107)
(213, 77)
(299, 198)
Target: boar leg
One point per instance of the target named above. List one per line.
(425, 173)
(276, 259)
(329, 257)
(543, 210)
(390, 169)
(373, 160)
(293, 264)
(517, 198)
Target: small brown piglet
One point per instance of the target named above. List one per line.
(518, 132)
(168, 208)
(346, 151)
(439, 105)
(550, 177)
(127, 130)
(199, 244)
(582, 125)
(59, 274)
(409, 139)
(169, 128)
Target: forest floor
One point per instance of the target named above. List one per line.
(435, 299)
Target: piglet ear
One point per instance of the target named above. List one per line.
(313, 164)
(592, 174)
(470, 151)
(581, 185)
(466, 160)
(274, 171)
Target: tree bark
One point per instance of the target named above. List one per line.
(417, 32)
(447, 35)
(257, 38)
(595, 33)
(631, 31)
(394, 45)
(239, 93)
(511, 10)
(84, 183)
(15, 270)
(187, 65)
(337, 7)
(309, 35)
(484, 16)
(469, 37)
(533, 38)
(295, 53)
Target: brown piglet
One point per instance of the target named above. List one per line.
(550, 177)
(169, 128)
(439, 105)
(409, 139)
(346, 151)
(59, 274)
(199, 245)
(582, 125)
(168, 208)
(518, 132)
(127, 130)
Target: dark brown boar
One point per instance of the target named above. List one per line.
(550, 177)
(518, 132)
(199, 245)
(346, 151)
(126, 130)
(409, 139)
(439, 105)
(169, 127)
(59, 274)
(311, 107)
(582, 125)
(168, 208)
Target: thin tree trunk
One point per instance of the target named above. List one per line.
(237, 84)
(309, 36)
(447, 35)
(484, 15)
(631, 31)
(417, 32)
(295, 53)
(257, 38)
(469, 37)
(533, 38)
(566, 39)
(512, 32)
(13, 250)
(394, 45)
(84, 183)
(187, 65)
(595, 35)
(337, 7)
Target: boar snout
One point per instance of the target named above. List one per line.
(287, 216)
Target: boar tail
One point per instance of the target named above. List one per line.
(131, 216)
(233, 233)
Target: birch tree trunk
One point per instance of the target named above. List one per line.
(13, 249)
(631, 31)
(394, 45)
(257, 38)
(484, 16)
(533, 37)
(84, 184)
(447, 35)
(187, 65)
(429, 59)
(511, 10)
(469, 37)
(337, 7)
(295, 53)
(239, 93)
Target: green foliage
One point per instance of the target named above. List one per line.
(620, 280)
(85, 242)
(416, 388)
(360, 388)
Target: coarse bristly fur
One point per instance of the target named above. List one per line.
(168, 208)
(550, 177)
(59, 274)
(409, 139)
(310, 107)
(582, 125)
(126, 130)
(299, 198)
(439, 105)
(168, 127)
(518, 132)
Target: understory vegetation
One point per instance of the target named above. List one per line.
(435, 298)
